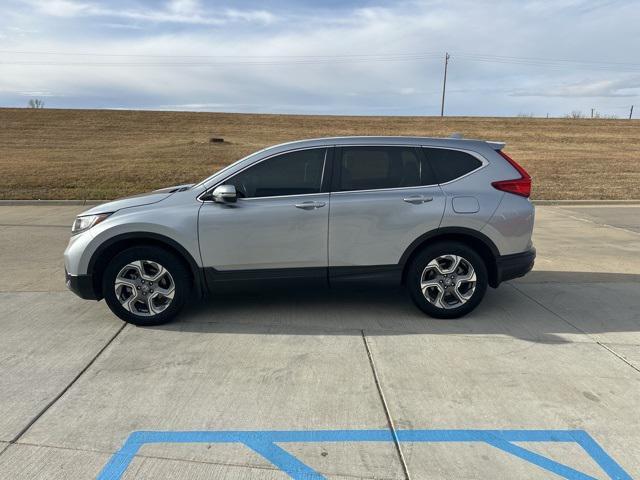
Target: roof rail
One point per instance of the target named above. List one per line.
(456, 135)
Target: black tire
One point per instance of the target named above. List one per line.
(418, 265)
(178, 273)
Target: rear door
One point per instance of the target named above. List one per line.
(383, 198)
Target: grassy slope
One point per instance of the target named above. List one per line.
(101, 154)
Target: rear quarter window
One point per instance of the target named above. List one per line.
(450, 164)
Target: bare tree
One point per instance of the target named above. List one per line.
(36, 103)
(594, 114)
(575, 114)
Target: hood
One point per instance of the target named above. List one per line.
(136, 200)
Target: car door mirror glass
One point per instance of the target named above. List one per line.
(225, 194)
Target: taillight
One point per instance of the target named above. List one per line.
(518, 186)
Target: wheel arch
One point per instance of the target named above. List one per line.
(111, 247)
(474, 239)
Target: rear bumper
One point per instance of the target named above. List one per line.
(81, 285)
(514, 266)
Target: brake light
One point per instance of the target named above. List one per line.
(519, 186)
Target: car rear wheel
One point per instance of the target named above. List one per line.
(447, 280)
(146, 285)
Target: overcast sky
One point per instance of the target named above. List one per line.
(334, 57)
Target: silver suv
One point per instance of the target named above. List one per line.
(444, 217)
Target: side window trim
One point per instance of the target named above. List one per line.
(327, 172)
(335, 177)
(337, 161)
(328, 160)
(424, 163)
(483, 161)
(331, 172)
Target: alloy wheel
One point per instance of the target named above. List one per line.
(448, 281)
(144, 288)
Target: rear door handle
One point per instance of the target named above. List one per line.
(417, 199)
(310, 205)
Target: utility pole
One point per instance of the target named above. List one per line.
(631, 112)
(444, 83)
(592, 113)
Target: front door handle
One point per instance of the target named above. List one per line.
(310, 205)
(417, 199)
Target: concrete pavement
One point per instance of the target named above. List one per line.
(557, 350)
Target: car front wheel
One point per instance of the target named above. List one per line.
(447, 280)
(146, 285)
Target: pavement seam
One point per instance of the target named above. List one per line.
(607, 347)
(186, 460)
(6, 447)
(386, 407)
(24, 430)
(596, 341)
(146, 456)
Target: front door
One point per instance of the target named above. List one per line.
(278, 224)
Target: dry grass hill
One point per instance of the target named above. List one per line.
(102, 154)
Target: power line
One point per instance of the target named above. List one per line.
(555, 65)
(167, 60)
(101, 54)
(475, 56)
(243, 60)
(395, 56)
(208, 64)
(246, 57)
(547, 60)
(299, 62)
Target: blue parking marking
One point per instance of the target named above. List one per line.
(265, 443)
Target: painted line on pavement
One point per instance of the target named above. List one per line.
(265, 443)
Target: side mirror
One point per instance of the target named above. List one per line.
(224, 194)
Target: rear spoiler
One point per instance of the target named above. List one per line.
(497, 145)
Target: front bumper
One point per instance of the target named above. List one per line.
(514, 266)
(81, 285)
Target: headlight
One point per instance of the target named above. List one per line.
(86, 222)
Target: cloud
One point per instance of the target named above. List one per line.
(62, 8)
(600, 88)
(302, 55)
(36, 94)
(184, 7)
(174, 11)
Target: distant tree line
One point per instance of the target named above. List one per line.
(36, 103)
(594, 114)
(576, 114)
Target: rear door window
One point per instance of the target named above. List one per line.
(450, 164)
(381, 167)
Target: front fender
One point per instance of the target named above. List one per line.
(175, 225)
